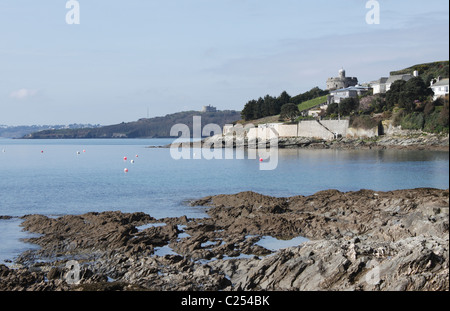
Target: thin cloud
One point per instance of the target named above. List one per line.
(23, 94)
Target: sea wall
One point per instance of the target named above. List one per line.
(316, 129)
(326, 129)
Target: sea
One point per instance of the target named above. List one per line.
(60, 177)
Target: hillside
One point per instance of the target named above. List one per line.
(312, 103)
(158, 127)
(428, 70)
(22, 130)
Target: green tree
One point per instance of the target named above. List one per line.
(289, 111)
(257, 110)
(413, 90)
(394, 93)
(333, 109)
(348, 105)
(444, 114)
(271, 106)
(248, 112)
(283, 99)
(405, 94)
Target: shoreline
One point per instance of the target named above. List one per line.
(359, 240)
(416, 141)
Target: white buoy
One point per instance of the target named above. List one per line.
(78, 152)
(132, 161)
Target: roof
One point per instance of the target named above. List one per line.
(382, 80)
(442, 82)
(394, 78)
(351, 88)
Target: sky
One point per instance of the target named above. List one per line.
(127, 60)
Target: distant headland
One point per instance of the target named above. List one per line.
(157, 127)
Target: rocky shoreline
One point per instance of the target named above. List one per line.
(363, 240)
(412, 141)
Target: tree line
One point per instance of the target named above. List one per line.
(271, 106)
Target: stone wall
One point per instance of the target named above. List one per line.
(324, 129)
(288, 130)
(314, 129)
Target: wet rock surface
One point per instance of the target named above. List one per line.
(363, 240)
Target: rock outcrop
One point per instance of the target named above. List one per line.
(363, 240)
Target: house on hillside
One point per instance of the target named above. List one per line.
(352, 91)
(382, 85)
(379, 86)
(439, 87)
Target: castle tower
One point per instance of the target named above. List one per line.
(341, 81)
(342, 73)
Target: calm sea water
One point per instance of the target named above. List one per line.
(57, 177)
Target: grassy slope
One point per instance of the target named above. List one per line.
(311, 103)
(434, 69)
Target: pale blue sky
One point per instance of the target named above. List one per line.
(173, 55)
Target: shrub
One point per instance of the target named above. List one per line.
(364, 121)
(413, 121)
(432, 123)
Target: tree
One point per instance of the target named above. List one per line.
(444, 114)
(248, 112)
(289, 111)
(348, 105)
(283, 99)
(413, 90)
(405, 94)
(270, 105)
(257, 110)
(333, 109)
(394, 93)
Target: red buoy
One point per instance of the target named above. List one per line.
(124, 158)
(261, 159)
(125, 170)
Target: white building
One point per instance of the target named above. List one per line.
(379, 86)
(382, 85)
(353, 91)
(439, 87)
